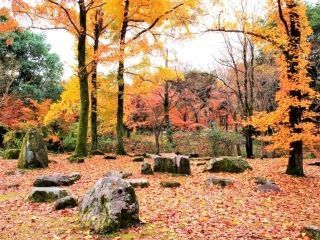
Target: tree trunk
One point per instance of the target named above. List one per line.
(248, 132)
(156, 138)
(121, 85)
(236, 130)
(81, 147)
(94, 100)
(295, 164)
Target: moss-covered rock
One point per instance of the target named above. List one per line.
(228, 164)
(47, 194)
(142, 183)
(109, 206)
(66, 202)
(312, 232)
(11, 154)
(146, 169)
(170, 184)
(176, 164)
(33, 152)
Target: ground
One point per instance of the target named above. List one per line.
(193, 211)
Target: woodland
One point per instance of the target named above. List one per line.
(138, 144)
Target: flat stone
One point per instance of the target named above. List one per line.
(312, 232)
(142, 183)
(66, 202)
(170, 184)
(223, 182)
(56, 180)
(47, 194)
(110, 157)
(268, 187)
(315, 164)
(228, 164)
(138, 159)
(119, 174)
(262, 181)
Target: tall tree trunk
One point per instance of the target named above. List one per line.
(81, 147)
(236, 130)
(94, 100)
(295, 163)
(121, 85)
(156, 138)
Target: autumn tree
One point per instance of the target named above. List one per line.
(73, 17)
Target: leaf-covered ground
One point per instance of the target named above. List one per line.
(193, 211)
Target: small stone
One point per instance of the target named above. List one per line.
(170, 184)
(201, 163)
(13, 185)
(118, 174)
(262, 181)
(268, 187)
(146, 168)
(315, 164)
(143, 183)
(75, 159)
(75, 176)
(47, 194)
(110, 157)
(10, 173)
(66, 202)
(138, 159)
(312, 232)
(223, 182)
(193, 155)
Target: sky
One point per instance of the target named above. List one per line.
(197, 53)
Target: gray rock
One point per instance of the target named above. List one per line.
(56, 180)
(146, 168)
(170, 184)
(228, 164)
(118, 174)
(33, 153)
(262, 181)
(109, 206)
(268, 187)
(172, 164)
(66, 202)
(47, 194)
(223, 182)
(143, 183)
(138, 159)
(312, 232)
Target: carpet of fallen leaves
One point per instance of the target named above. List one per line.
(193, 211)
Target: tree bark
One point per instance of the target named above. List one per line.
(81, 147)
(120, 80)
(94, 100)
(248, 132)
(166, 108)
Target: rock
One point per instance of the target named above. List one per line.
(223, 182)
(262, 181)
(47, 194)
(66, 202)
(10, 173)
(268, 187)
(118, 174)
(138, 159)
(170, 184)
(228, 164)
(110, 157)
(183, 165)
(13, 186)
(11, 154)
(139, 183)
(201, 163)
(97, 152)
(146, 168)
(56, 180)
(33, 153)
(75, 159)
(315, 164)
(193, 155)
(177, 164)
(312, 232)
(109, 206)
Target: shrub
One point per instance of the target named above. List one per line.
(11, 154)
(13, 139)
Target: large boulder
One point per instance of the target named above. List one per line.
(110, 205)
(33, 153)
(11, 154)
(56, 180)
(172, 164)
(48, 194)
(228, 164)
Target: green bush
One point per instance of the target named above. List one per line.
(70, 140)
(13, 139)
(106, 143)
(11, 154)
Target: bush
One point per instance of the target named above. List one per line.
(13, 139)
(106, 143)
(70, 140)
(11, 154)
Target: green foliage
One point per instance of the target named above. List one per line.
(11, 154)
(313, 13)
(40, 70)
(70, 140)
(13, 139)
(222, 142)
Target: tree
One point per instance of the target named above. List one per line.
(70, 16)
(35, 71)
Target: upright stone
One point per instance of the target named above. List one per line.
(183, 165)
(109, 206)
(165, 164)
(33, 153)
